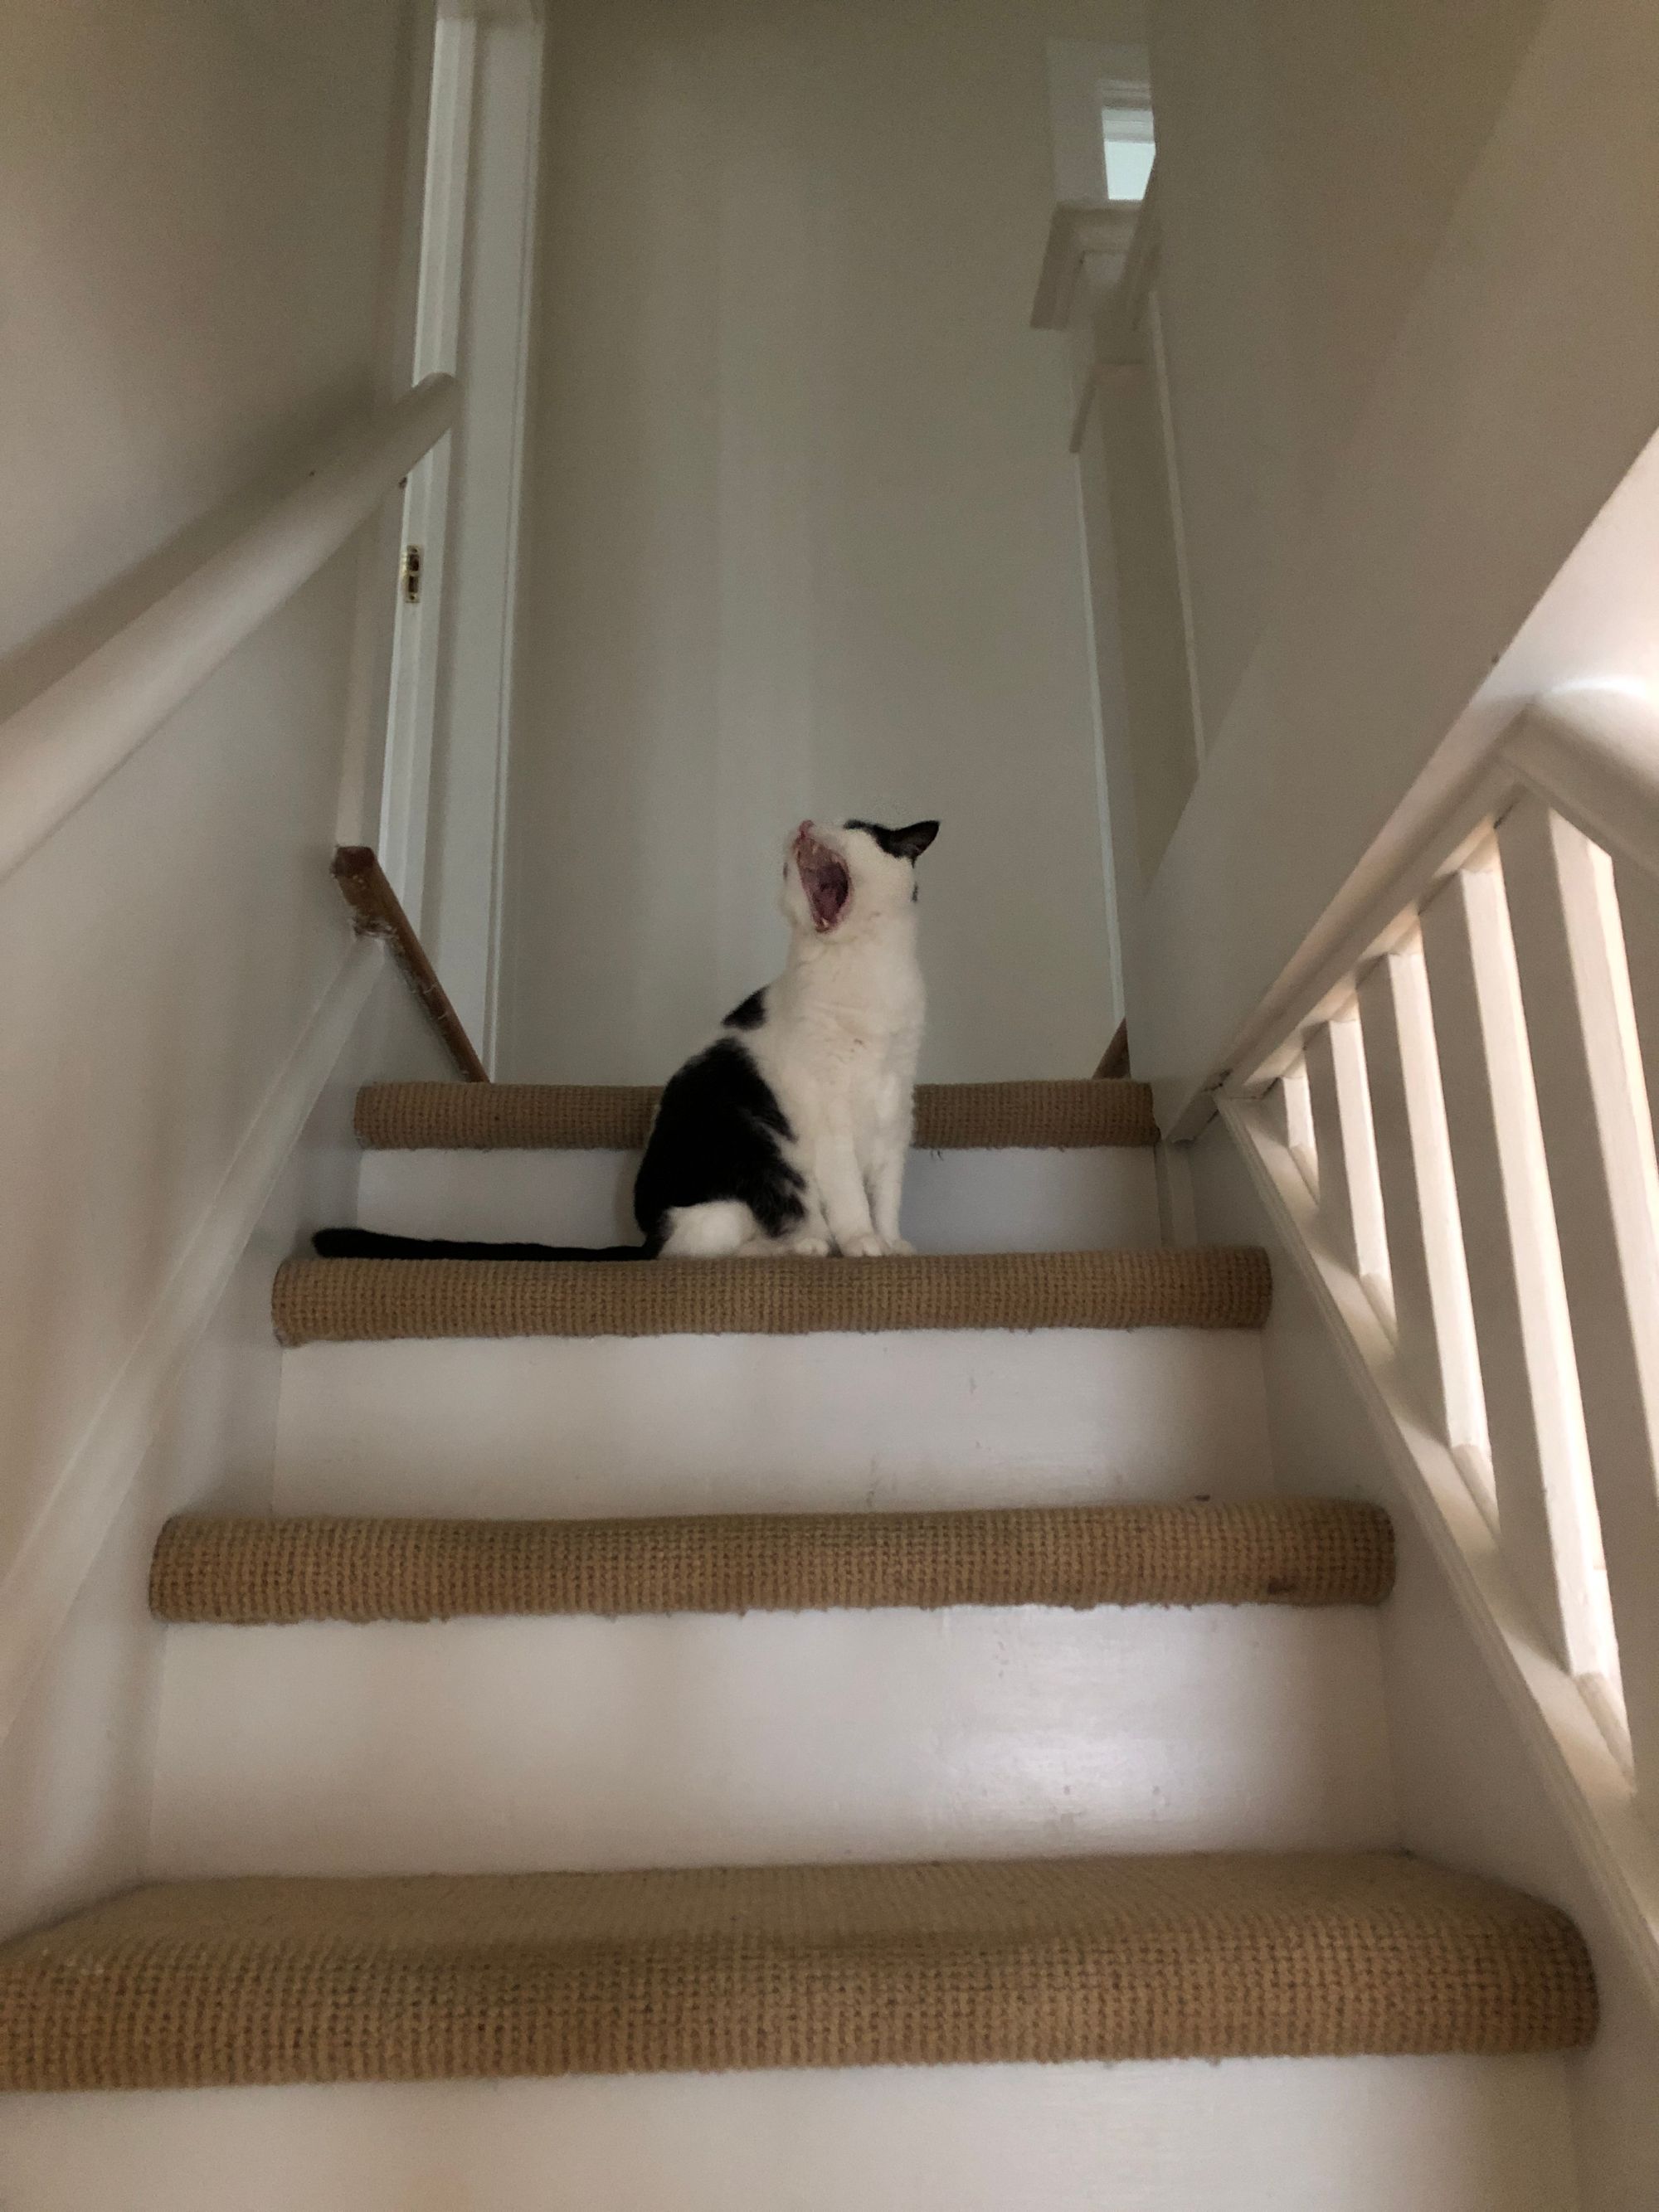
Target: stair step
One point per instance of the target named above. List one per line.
(919, 1421)
(615, 1117)
(1240, 2134)
(486, 1744)
(374, 1301)
(438, 1978)
(243, 1571)
(966, 1201)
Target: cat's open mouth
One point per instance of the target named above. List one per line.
(825, 879)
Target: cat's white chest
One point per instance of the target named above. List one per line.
(842, 1048)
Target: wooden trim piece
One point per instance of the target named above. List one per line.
(376, 912)
(1077, 230)
(494, 11)
(1115, 1060)
(472, 731)
(447, 118)
(1120, 344)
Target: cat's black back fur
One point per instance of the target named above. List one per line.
(715, 1136)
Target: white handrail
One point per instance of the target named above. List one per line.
(1593, 754)
(1590, 750)
(57, 750)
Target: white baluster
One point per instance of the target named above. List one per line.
(1289, 1116)
(1433, 1323)
(1638, 912)
(1598, 1142)
(1550, 1538)
(1350, 1202)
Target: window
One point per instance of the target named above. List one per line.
(1100, 106)
(1126, 134)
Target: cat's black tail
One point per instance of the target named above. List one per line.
(370, 1244)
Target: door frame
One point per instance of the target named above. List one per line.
(443, 832)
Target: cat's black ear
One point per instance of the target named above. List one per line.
(911, 842)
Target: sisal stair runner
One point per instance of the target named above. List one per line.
(614, 1117)
(371, 1301)
(248, 1571)
(433, 1977)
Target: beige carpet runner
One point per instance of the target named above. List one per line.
(614, 1117)
(1300, 1551)
(369, 1300)
(432, 1978)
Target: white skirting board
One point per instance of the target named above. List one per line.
(1310, 2135)
(966, 1201)
(689, 1739)
(733, 1424)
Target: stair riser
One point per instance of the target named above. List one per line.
(691, 1425)
(1346, 2135)
(987, 1202)
(491, 1745)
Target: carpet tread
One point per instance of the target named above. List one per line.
(616, 1117)
(272, 1980)
(371, 1300)
(256, 1569)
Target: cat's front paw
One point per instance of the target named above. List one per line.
(866, 1246)
(902, 1249)
(804, 1247)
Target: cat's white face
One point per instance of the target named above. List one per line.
(845, 881)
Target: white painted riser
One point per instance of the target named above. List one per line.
(489, 1745)
(687, 1424)
(983, 1201)
(1310, 2135)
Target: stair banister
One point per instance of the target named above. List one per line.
(1492, 972)
(1591, 751)
(62, 744)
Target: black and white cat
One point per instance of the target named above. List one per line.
(788, 1134)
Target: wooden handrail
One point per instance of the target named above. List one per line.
(376, 911)
(57, 750)
(1115, 1060)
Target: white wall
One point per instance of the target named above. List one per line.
(75, 1748)
(1310, 158)
(199, 219)
(803, 536)
(195, 210)
(1468, 1792)
(1410, 309)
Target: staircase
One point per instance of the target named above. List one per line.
(759, 1735)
